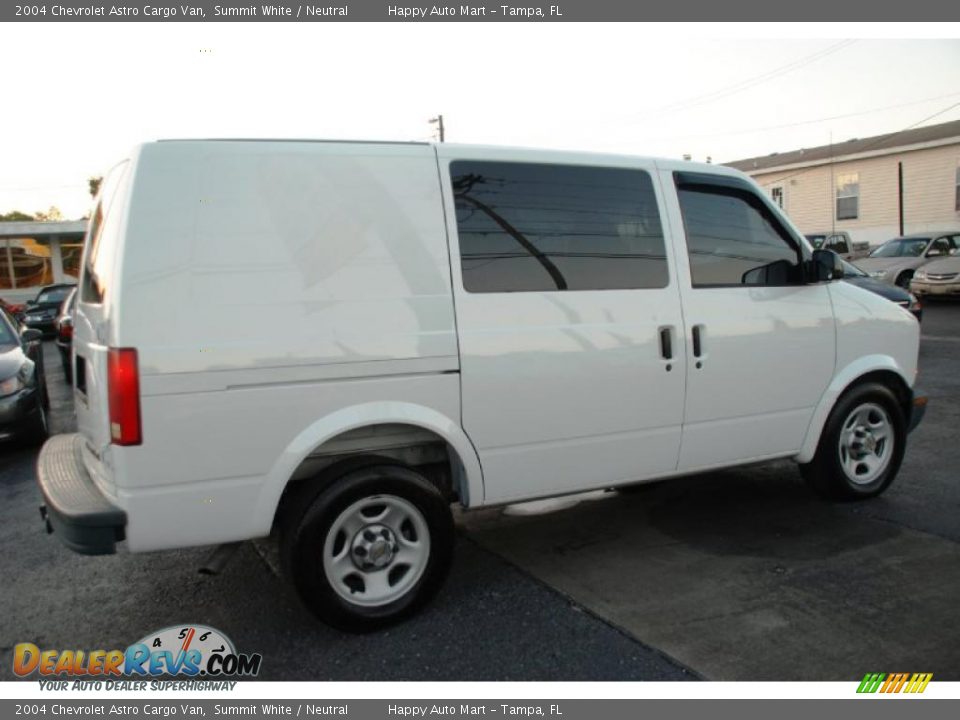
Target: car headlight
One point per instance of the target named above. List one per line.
(11, 385)
(920, 275)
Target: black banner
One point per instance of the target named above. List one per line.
(556, 11)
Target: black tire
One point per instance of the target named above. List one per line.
(904, 278)
(38, 429)
(312, 525)
(830, 473)
(67, 370)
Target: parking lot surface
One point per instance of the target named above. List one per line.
(739, 574)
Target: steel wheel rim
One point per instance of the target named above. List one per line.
(376, 550)
(866, 444)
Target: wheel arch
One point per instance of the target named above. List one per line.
(468, 482)
(878, 368)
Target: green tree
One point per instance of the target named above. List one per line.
(15, 216)
(51, 215)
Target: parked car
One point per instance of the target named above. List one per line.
(15, 310)
(839, 241)
(64, 329)
(904, 298)
(897, 260)
(940, 277)
(23, 390)
(445, 324)
(41, 312)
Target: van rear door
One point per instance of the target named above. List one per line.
(93, 317)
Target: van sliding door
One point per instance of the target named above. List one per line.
(568, 317)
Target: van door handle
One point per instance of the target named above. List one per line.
(666, 343)
(697, 341)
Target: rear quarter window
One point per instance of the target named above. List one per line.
(103, 236)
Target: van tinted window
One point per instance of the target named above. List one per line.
(733, 238)
(103, 236)
(538, 227)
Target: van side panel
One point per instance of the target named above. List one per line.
(267, 285)
(872, 334)
(260, 255)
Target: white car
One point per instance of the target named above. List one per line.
(337, 340)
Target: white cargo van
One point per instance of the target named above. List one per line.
(338, 340)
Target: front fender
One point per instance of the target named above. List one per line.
(844, 379)
(351, 418)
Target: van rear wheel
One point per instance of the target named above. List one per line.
(370, 548)
(861, 447)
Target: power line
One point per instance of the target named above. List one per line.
(42, 187)
(753, 81)
(808, 122)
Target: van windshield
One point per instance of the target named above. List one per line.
(103, 236)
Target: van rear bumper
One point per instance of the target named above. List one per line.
(74, 508)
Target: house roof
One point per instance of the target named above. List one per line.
(35, 228)
(875, 144)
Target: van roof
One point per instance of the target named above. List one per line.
(445, 148)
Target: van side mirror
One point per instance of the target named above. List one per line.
(826, 265)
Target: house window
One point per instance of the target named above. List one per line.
(848, 196)
(776, 194)
(24, 263)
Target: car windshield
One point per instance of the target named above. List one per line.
(56, 295)
(850, 270)
(908, 247)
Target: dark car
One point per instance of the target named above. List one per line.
(64, 327)
(23, 389)
(41, 312)
(894, 293)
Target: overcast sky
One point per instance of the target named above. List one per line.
(78, 96)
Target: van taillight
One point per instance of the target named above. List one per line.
(123, 389)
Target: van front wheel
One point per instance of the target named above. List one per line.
(371, 548)
(861, 447)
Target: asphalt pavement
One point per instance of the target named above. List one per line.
(741, 574)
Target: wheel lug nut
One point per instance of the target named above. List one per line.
(385, 534)
(369, 536)
(360, 551)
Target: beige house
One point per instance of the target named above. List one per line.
(874, 188)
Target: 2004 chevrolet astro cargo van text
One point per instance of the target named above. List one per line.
(337, 340)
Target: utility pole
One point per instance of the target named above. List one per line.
(438, 121)
(900, 194)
